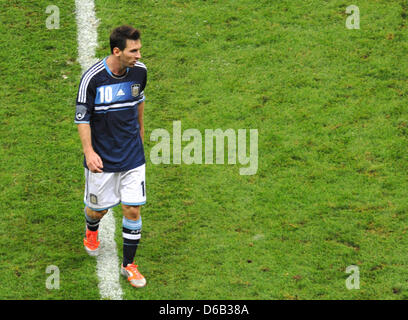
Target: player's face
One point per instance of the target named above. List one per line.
(131, 54)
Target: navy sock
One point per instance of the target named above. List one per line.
(131, 232)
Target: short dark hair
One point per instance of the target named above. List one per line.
(120, 34)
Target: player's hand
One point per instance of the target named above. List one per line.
(94, 162)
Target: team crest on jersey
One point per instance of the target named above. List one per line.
(135, 89)
(93, 198)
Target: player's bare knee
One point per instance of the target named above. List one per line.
(132, 212)
(96, 214)
(100, 214)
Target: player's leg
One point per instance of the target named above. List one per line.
(92, 219)
(100, 195)
(131, 232)
(133, 195)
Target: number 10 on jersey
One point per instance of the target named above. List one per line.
(105, 94)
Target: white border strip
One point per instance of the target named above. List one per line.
(118, 105)
(107, 261)
(87, 33)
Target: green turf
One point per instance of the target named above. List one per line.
(330, 190)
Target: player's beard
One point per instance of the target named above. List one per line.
(126, 64)
(130, 63)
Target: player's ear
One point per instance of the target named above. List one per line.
(116, 51)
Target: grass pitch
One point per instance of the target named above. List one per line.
(330, 191)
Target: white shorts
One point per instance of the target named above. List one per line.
(107, 189)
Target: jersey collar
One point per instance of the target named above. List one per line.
(111, 73)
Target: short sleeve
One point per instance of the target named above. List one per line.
(141, 96)
(85, 101)
(143, 85)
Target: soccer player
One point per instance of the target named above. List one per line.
(109, 114)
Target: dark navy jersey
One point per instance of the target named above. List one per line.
(110, 105)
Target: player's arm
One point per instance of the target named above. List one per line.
(140, 119)
(93, 161)
(84, 109)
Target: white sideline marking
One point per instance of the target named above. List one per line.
(87, 25)
(107, 261)
(107, 265)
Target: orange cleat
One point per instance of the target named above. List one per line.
(133, 275)
(91, 243)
